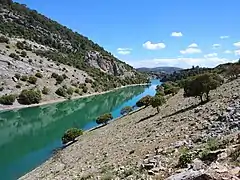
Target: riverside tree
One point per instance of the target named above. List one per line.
(126, 110)
(103, 119)
(157, 101)
(71, 134)
(145, 101)
(201, 85)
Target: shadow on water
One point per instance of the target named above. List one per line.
(29, 136)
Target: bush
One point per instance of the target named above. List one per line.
(54, 75)
(157, 101)
(1, 89)
(70, 91)
(18, 86)
(103, 119)
(39, 75)
(160, 93)
(30, 97)
(7, 46)
(85, 89)
(32, 80)
(233, 71)
(71, 135)
(61, 92)
(4, 39)
(17, 76)
(184, 160)
(126, 110)
(7, 99)
(77, 91)
(14, 56)
(201, 85)
(87, 80)
(23, 54)
(24, 78)
(20, 45)
(45, 90)
(145, 101)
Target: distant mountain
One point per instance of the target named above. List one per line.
(167, 70)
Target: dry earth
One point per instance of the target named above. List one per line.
(145, 145)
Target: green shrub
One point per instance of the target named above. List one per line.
(126, 110)
(64, 76)
(4, 39)
(1, 89)
(39, 75)
(145, 101)
(103, 119)
(71, 135)
(59, 79)
(20, 45)
(30, 60)
(54, 75)
(70, 91)
(45, 90)
(85, 89)
(160, 93)
(18, 86)
(7, 46)
(14, 56)
(23, 53)
(87, 80)
(61, 92)
(7, 99)
(32, 80)
(77, 91)
(24, 78)
(17, 76)
(157, 101)
(185, 159)
(30, 97)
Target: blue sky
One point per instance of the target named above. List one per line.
(155, 32)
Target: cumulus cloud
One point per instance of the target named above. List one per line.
(215, 46)
(237, 44)
(176, 34)
(237, 52)
(151, 46)
(210, 55)
(193, 45)
(124, 51)
(224, 37)
(227, 52)
(180, 62)
(191, 51)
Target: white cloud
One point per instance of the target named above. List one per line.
(210, 55)
(227, 52)
(124, 51)
(191, 51)
(151, 46)
(180, 62)
(176, 34)
(237, 44)
(237, 52)
(215, 46)
(193, 45)
(224, 37)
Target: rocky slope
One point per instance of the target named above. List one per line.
(31, 43)
(184, 141)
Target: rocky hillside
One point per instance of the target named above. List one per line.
(31, 43)
(185, 141)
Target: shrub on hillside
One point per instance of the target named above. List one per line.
(70, 91)
(32, 80)
(4, 39)
(30, 97)
(59, 79)
(103, 119)
(20, 45)
(39, 75)
(61, 92)
(201, 85)
(7, 99)
(126, 110)
(71, 135)
(77, 91)
(145, 101)
(157, 101)
(24, 78)
(85, 89)
(45, 90)
(23, 54)
(233, 71)
(17, 75)
(87, 80)
(14, 56)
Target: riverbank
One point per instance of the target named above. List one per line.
(146, 145)
(19, 106)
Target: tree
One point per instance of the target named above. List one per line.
(126, 110)
(30, 97)
(233, 71)
(45, 90)
(157, 101)
(7, 99)
(71, 134)
(103, 119)
(145, 101)
(61, 92)
(32, 80)
(201, 85)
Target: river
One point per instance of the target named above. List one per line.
(29, 136)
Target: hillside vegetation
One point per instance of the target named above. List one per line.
(37, 52)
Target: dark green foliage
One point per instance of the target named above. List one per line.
(201, 85)
(20, 45)
(64, 76)
(87, 80)
(184, 159)
(61, 92)
(30, 97)
(85, 89)
(71, 135)
(126, 110)
(54, 75)
(23, 54)
(24, 78)
(32, 80)
(103, 119)
(157, 101)
(18, 86)
(4, 39)
(145, 101)
(39, 75)
(7, 46)
(77, 91)
(70, 91)
(7, 99)
(233, 71)
(14, 56)
(160, 93)
(17, 75)
(45, 90)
